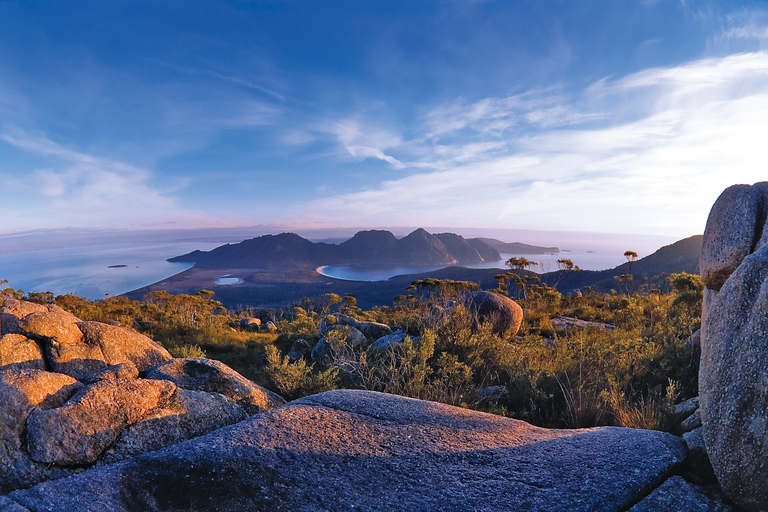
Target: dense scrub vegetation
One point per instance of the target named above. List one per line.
(626, 364)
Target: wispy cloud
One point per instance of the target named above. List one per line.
(495, 115)
(248, 84)
(366, 142)
(677, 137)
(713, 73)
(79, 189)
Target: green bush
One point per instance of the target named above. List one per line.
(628, 373)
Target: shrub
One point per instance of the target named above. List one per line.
(187, 351)
(294, 380)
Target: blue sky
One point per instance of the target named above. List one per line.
(595, 115)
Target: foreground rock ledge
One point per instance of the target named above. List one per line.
(359, 450)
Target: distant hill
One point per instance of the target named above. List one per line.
(681, 256)
(373, 247)
(285, 249)
(517, 247)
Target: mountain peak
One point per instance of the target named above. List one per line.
(419, 233)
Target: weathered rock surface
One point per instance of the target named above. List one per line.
(187, 415)
(567, 322)
(52, 324)
(691, 422)
(374, 330)
(733, 383)
(339, 339)
(698, 463)
(66, 351)
(322, 352)
(251, 324)
(13, 310)
(320, 453)
(762, 221)
(371, 330)
(21, 391)
(19, 352)
(355, 337)
(395, 338)
(44, 390)
(677, 495)
(125, 370)
(300, 349)
(7, 505)
(89, 422)
(730, 233)
(356, 450)
(214, 376)
(504, 313)
(53, 425)
(73, 347)
(733, 374)
(686, 408)
(491, 394)
(120, 345)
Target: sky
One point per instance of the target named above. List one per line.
(597, 116)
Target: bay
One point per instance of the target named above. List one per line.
(586, 260)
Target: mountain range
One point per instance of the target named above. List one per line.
(269, 277)
(371, 247)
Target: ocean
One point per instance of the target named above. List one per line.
(91, 272)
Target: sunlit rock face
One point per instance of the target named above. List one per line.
(361, 450)
(731, 232)
(733, 376)
(504, 313)
(72, 397)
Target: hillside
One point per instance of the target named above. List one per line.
(681, 256)
(517, 247)
(285, 249)
(373, 247)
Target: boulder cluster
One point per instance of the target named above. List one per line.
(77, 394)
(502, 313)
(733, 375)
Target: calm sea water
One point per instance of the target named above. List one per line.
(86, 271)
(598, 260)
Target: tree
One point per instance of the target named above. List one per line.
(627, 279)
(631, 258)
(329, 299)
(206, 294)
(564, 266)
(520, 263)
